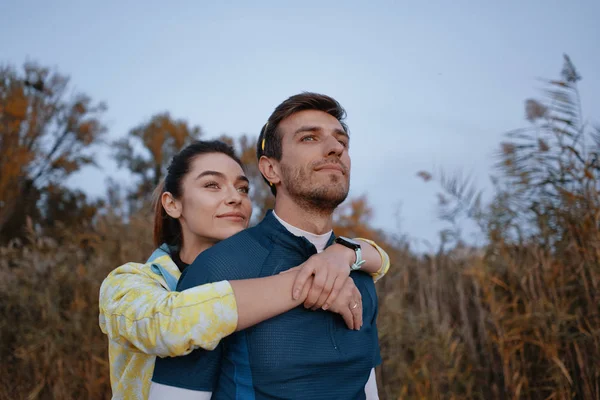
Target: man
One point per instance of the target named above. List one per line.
(303, 155)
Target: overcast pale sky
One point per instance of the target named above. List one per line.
(426, 86)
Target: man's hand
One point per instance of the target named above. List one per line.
(331, 269)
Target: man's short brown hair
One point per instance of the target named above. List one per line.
(270, 139)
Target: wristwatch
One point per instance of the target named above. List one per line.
(353, 245)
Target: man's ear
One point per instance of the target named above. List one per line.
(171, 205)
(270, 169)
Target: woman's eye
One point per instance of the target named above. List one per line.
(211, 185)
(244, 189)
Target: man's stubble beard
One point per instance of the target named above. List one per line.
(322, 200)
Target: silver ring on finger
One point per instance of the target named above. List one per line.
(354, 305)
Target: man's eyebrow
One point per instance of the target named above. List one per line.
(342, 132)
(308, 128)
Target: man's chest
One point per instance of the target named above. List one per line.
(302, 353)
(292, 346)
(281, 259)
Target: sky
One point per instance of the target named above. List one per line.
(426, 86)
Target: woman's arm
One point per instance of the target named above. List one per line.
(330, 276)
(137, 312)
(263, 298)
(377, 259)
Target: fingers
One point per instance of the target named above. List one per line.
(357, 311)
(352, 314)
(306, 271)
(335, 291)
(325, 293)
(348, 318)
(316, 288)
(287, 271)
(349, 305)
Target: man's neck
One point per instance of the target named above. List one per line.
(307, 220)
(319, 241)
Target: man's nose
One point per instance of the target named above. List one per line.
(334, 147)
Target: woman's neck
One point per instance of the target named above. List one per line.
(190, 250)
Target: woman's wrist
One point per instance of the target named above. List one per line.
(344, 253)
(372, 257)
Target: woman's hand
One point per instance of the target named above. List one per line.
(331, 269)
(349, 305)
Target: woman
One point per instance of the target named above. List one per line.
(205, 200)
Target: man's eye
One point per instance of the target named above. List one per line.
(308, 138)
(343, 142)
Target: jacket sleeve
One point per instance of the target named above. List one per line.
(137, 312)
(385, 260)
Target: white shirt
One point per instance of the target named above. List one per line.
(319, 241)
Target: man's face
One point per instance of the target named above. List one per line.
(315, 164)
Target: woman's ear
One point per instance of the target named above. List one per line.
(171, 205)
(270, 169)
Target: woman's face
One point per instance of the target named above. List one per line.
(214, 204)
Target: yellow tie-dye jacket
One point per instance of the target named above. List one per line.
(144, 317)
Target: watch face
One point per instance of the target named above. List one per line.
(353, 244)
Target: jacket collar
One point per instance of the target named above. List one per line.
(279, 234)
(162, 264)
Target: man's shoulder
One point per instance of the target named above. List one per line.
(237, 257)
(236, 246)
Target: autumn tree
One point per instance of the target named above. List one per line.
(353, 219)
(63, 208)
(147, 150)
(46, 134)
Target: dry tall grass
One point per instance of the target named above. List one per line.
(520, 318)
(514, 322)
(51, 346)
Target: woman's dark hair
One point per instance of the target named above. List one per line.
(167, 229)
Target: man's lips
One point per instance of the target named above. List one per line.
(331, 167)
